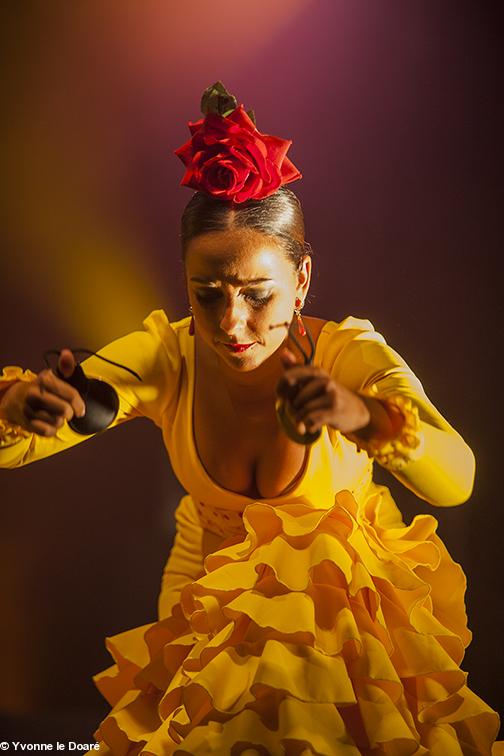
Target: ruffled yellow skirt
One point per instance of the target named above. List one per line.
(335, 631)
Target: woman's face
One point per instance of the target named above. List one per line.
(242, 288)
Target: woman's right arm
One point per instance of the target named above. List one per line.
(43, 404)
(34, 409)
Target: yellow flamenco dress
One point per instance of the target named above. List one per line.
(315, 622)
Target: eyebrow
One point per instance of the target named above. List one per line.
(230, 279)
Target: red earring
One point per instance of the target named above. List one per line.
(297, 312)
(191, 324)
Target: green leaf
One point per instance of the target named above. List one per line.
(216, 99)
(252, 117)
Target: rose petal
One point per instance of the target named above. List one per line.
(220, 178)
(184, 152)
(189, 179)
(224, 177)
(289, 171)
(251, 189)
(194, 126)
(273, 180)
(257, 152)
(239, 116)
(277, 148)
(216, 123)
(241, 156)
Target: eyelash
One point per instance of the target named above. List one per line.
(258, 301)
(209, 299)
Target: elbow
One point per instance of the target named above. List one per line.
(453, 498)
(19, 454)
(465, 479)
(459, 485)
(13, 463)
(444, 476)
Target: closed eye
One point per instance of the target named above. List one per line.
(208, 296)
(211, 295)
(258, 298)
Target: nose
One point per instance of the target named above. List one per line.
(233, 317)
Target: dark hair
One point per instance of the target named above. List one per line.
(279, 216)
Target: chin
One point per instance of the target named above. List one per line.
(246, 361)
(242, 364)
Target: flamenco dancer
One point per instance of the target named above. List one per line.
(298, 613)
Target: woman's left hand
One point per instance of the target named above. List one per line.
(315, 399)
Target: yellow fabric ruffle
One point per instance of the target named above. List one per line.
(408, 445)
(312, 632)
(11, 433)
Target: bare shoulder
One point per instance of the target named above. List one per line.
(315, 325)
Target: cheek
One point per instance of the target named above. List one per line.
(280, 310)
(274, 324)
(205, 317)
(269, 316)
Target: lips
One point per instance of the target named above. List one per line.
(238, 348)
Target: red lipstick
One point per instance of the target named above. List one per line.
(237, 347)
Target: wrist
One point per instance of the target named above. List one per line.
(385, 420)
(3, 405)
(10, 431)
(10, 377)
(394, 437)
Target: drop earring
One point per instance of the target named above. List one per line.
(297, 311)
(191, 323)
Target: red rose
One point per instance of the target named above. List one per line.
(228, 158)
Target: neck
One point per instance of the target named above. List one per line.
(256, 383)
(262, 381)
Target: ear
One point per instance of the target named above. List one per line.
(304, 277)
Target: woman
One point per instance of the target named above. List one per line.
(298, 613)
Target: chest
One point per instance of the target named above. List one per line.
(241, 445)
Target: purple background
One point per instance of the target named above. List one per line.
(393, 108)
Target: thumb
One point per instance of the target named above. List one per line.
(288, 358)
(66, 363)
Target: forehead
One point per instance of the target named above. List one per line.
(236, 254)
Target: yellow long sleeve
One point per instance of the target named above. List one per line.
(152, 353)
(359, 357)
(353, 353)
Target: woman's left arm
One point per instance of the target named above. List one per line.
(365, 390)
(419, 447)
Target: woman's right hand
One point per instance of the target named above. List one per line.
(41, 406)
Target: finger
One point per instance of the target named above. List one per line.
(39, 413)
(49, 382)
(301, 428)
(287, 388)
(295, 378)
(315, 421)
(41, 428)
(322, 403)
(66, 363)
(49, 403)
(42, 422)
(310, 390)
(288, 358)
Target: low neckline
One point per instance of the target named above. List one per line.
(298, 479)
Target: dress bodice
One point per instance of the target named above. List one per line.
(332, 464)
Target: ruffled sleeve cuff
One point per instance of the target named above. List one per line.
(408, 443)
(10, 433)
